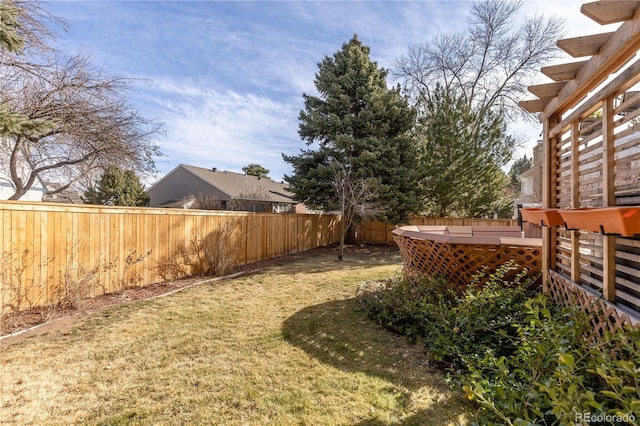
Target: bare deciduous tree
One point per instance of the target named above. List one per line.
(84, 123)
(490, 65)
(22, 26)
(356, 198)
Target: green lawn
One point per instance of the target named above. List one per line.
(287, 345)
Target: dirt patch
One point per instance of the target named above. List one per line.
(40, 322)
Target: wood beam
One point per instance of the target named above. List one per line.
(563, 72)
(547, 90)
(621, 46)
(548, 199)
(534, 105)
(609, 12)
(575, 199)
(585, 45)
(608, 199)
(608, 151)
(622, 82)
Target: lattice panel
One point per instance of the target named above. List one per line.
(604, 316)
(461, 262)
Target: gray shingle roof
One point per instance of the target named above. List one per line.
(244, 187)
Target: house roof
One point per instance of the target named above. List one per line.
(244, 187)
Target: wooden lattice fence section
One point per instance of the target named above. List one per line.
(434, 251)
(604, 316)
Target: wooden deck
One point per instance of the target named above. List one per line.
(460, 253)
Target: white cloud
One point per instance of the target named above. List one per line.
(227, 78)
(224, 129)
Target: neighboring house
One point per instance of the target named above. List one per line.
(185, 186)
(68, 196)
(7, 189)
(531, 183)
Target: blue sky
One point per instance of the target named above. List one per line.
(226, 77)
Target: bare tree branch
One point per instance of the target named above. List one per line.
(355, 198)
(89, 125)
(75, 120)
(491, 65)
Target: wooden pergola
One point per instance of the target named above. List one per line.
(591, 126)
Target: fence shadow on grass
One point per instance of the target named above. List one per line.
(339, 333)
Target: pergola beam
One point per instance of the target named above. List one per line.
(585, 45)
(624, 43)
(534, 105)
(563, 72)
(609, 12)
(547, 90)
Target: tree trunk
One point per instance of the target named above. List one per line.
(351, 236)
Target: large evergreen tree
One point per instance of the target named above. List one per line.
(462, 151)
(363, 125)
(117, 187)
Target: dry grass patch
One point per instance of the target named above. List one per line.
(286, 345)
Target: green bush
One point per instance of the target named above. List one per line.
(449, 325)
(556, 376)
(508, 388)
(522, 359)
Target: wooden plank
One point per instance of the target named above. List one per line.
(629, 101)
(608, 151)
(53, 256)
(575, 199)
(609, 12)
(548, 200)
(25, 250)
(547, 90)
(104, 250)
(563, 72)
(608, 199)
(36, 247)
(84, 233)
(65, 220)
(585, 45)
(624, 43)
(92, 232)
(534, 105)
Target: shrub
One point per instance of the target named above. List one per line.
(508, 388)
(522, 359)
(449, 325)
(555, 376)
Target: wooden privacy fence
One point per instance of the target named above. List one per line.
(381, 233)
(53, 253)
